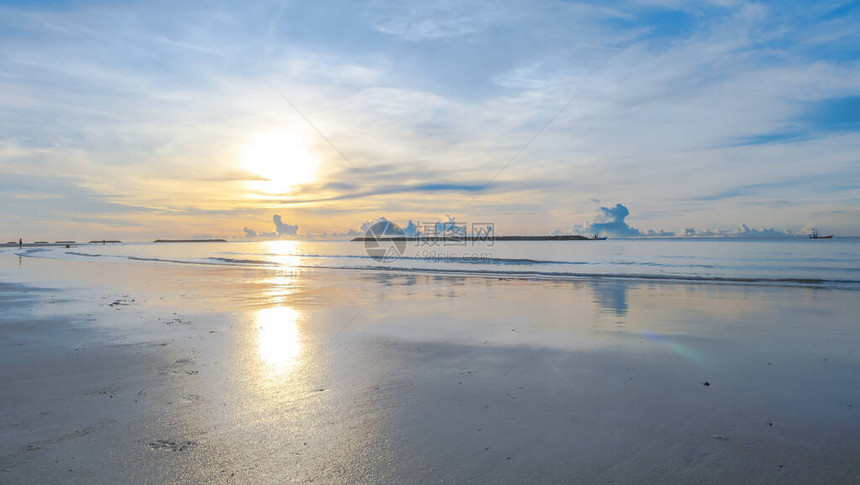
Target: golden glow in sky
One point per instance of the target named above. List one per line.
(280, 158)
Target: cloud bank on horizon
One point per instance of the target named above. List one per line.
(611, 221)
(282, 229)
(123, 120)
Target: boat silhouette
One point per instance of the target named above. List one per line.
(815, 235)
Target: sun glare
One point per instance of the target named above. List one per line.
(278, 338)
(282, 160)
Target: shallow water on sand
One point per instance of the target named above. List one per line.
(260, 374)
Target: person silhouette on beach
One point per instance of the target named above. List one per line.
(20, 243)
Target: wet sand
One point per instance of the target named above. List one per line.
(158, 373)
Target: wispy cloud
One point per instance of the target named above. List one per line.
(147, 106)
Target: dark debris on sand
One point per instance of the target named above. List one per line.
(124, 301)
(167, 445)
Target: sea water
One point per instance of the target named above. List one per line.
(828, 263)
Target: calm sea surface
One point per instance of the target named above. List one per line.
(833, 263)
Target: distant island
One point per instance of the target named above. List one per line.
(105, 241)
(485, 238)
(41, 243)
(188, 240)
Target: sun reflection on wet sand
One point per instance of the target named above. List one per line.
(279, 287)
(278, 339)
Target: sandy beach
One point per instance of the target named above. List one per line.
(159, 373)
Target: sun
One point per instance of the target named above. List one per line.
(281, 159)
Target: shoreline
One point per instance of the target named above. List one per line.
(798, 282)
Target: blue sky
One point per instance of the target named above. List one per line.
(133, 119)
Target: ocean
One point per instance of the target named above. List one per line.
(824, 263)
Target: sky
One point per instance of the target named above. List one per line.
(156, 119)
